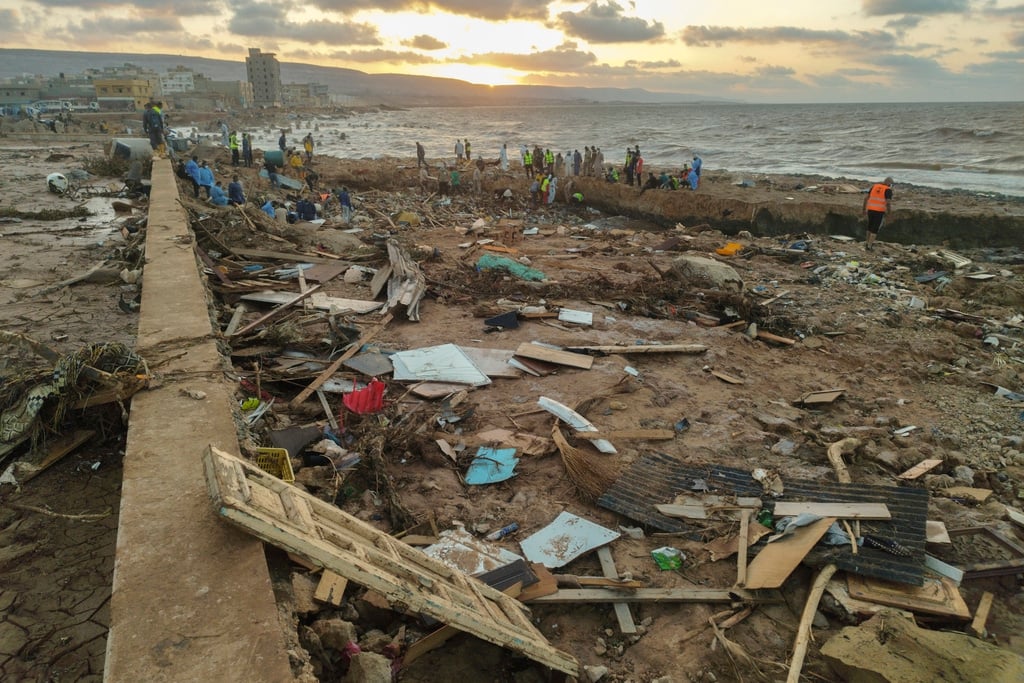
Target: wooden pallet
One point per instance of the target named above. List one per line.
(293, 520)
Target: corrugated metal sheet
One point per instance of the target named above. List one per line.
(657, 478)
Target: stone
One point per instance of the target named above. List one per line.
(335, 634)
(964, 475)
(303, 588)
(374, 641)
(820, 621)
(368, 667)
(784, 447)
(705, 270)
(595, 673)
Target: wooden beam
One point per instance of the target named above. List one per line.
(586, 595)
(622, 613)
(981, 615)
(837, 510)
(331, 588)
(352, 350)
(741, 562)
(692, 349)
(279, 310)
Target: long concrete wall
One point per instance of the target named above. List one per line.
(192, 599)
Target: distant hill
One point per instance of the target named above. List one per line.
(394, 89)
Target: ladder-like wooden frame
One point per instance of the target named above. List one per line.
(289, 518)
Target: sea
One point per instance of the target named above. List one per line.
(974, 147)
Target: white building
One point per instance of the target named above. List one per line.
(178, 79)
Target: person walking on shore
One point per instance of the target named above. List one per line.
(307, 145)
(247, 150)
(282, 143)
(421, 155)
(876, 204)
(503, 156)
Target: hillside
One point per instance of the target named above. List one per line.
(392, 88)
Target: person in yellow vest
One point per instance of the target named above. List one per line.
(549, 162)
(307, 144)
(233, 145)
(528, 162)
(876, 204)
(295, 161)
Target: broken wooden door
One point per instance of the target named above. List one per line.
(288, 518)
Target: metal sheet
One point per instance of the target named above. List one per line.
(444, 363)
(565, 539)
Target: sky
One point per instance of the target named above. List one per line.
(757, 51)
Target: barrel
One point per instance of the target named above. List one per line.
(274, 156)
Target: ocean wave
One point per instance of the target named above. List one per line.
(952, 133)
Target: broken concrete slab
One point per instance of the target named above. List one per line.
(890, 648)
(708, 271)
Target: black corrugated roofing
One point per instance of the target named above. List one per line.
(657, 478)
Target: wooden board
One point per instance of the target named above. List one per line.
(966, 492)
(692, 349)
(556, 356)
(622, 613)
(1015, 515)
(935, 532)
(331, 588)
(295, 521)
(937, 596)
(590, 595)
(728, 379)
(981, 615)
(546, 584)
(57, 450)
(837, 510)
(777, 560)
(726, 546)
(920, 468)
(819, 397)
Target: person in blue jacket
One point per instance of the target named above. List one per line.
(217, 195)
(192, 171)
(206, 178)
(235, 195)
(269, 208)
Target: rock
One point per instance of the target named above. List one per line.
(303, 588)
(784, 447)
(374, 610)
(890, 648)
(820, 621)
(335, 634)
(964, 475)
(706, 270)
(778, 425)
(369, 667)
(595, 673)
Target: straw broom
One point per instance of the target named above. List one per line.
(590, 473)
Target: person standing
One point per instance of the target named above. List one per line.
(233, 145)
(307, 145)
(638, 168)
(247, 150)
(206, 178)
(698, 163)
(459, 150)
(421, 155)
(877, 204)
(346, 205)
(468, 153)
(224, 133)
(528, 162)
(577, 161)
(282, 143)
(192, 171)
(503, 156)
(478, 178)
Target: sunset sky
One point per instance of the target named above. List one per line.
(788, 51)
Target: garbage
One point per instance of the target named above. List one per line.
(495, 262)
(502, 532)
(565, 539)
(668, 558)
(492, 465)
(367, 400)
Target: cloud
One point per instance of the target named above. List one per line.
(536, 10)
(878, 8)
(389, 56)
(265, 20)
(707, 36)
(101, 28)
(563, 59)
(663, 64)
(599, 23)
(425, 42)
(156, 7)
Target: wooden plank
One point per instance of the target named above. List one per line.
(837, 510)
(728, 379)
(692, 349)
(493, 362)
(777, 560)
(1015, 515)
(331, 588)
(742, 543)
(981, 615)
(427, 643)
(280, 255)
(352, 350)
(935, 532)
(546, 584)
(641, 595)
(726, 546)
(236, 319)
(622, 613)
(820, 397)
(252, 499)
(276, 312)
(644, 434)
(920, 468)
(57, 450)
(556, 356)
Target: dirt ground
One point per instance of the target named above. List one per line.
(849, 311)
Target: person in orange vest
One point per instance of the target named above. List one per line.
(876, 204)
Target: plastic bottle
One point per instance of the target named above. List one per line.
(503, 532)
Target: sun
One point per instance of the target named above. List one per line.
(483, 75)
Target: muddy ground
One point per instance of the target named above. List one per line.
(850, 312)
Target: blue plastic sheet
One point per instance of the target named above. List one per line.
(492, 465)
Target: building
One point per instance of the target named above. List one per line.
(225, 93)
(306, 95)
(120, 94)
(264, 73)
(178, 79)
(14, 95)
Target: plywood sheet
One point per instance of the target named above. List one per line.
(777, 560)
(937, 596)
(920, 468)
(293, 520)
(442, 363)
(493, 362)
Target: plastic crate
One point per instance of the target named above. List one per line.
(275, 461)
